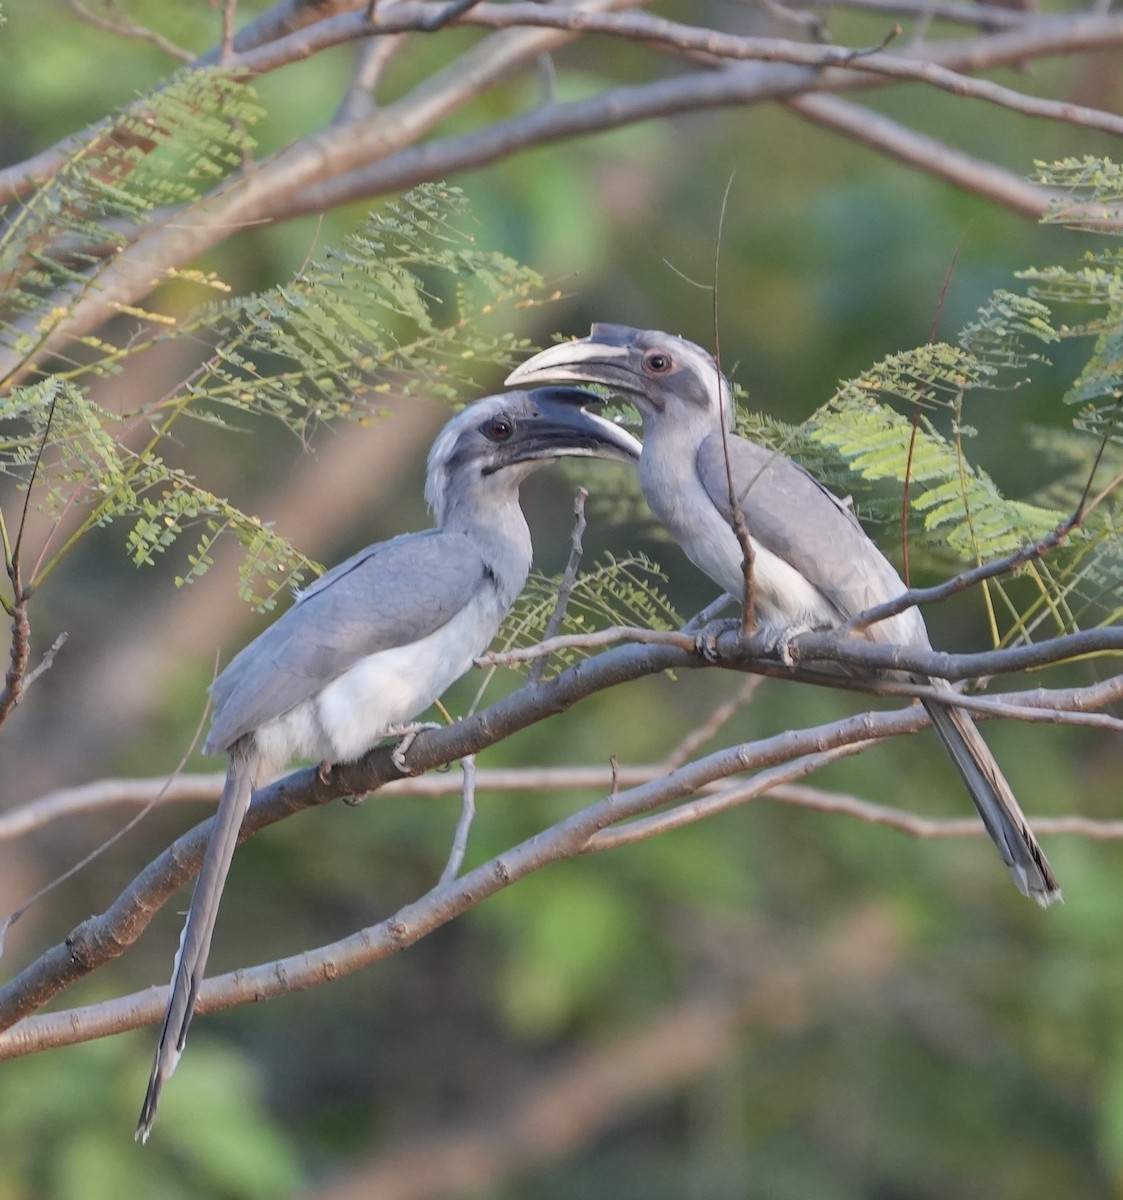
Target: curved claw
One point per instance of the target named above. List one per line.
(779, 642)
(408, 735)
(705, 643)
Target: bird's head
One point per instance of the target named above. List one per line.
(666, 377)
(505, 437)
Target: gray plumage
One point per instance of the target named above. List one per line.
(373, 642)
(813, 565)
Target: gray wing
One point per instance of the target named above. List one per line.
(790, 513)
(387, 595)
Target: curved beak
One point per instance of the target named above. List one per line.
(608, 356)
(560, 425)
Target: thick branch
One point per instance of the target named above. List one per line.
(101, 938)
(736, 86)
(928, 154)
(367, 157)
(19, 651)
(251, 198)
(104, 937)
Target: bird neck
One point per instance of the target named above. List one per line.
(487, 509)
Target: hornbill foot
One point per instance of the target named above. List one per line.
(705, 643)
(324, 770)
(408, 734)
(778, 641)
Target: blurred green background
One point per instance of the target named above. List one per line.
(773, 1004)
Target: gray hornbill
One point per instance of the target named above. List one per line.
(813, 565)
(374, 641)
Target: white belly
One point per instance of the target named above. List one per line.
(352, 713)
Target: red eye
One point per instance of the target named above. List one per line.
(498, 429)
(657, 362)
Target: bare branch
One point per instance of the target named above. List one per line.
(612, 636)
(226, 50)
(722, 799)
(568, 579)
(104, 794)
(857, 652)
(122, 25)
(109, 793)
(250, 198)
(19, 652)
(103, 937)
(581, 833)
(987, 18)
(933, 827)
(359, 100)
(464, 824)
(967, 579)
(729, 649)
(286, 35)
(700, 735)
(47, 661)
(918, 150)
(738, 86)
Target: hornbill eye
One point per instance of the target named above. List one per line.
(498, 429)
(657, 362)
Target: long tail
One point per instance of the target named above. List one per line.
(195, 940)
(994, 798)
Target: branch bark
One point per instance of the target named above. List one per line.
(104, 937)
(364, 158)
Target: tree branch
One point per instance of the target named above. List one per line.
(108, 935)
(568, 579)
(120, 25)
(101, 938)
(105, 794)
(364, 158)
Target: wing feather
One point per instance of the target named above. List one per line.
(794, 516)
(388, 595)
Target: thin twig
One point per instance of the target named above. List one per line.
(702, 733)
(47, 661)
(359, 101)
(989, 19)
(914, 433)
(452, 12)
(934, 827)
(736, 515)
(18, 653)
(568, 579)
(226, 53)
(711, 612)
(124, 26)
(965, 579)
(1082, 508)
(720, 799)
(8, 921)
(464, 824)
(597, 640)
(1103, 494)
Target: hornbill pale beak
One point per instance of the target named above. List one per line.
(608, 356)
